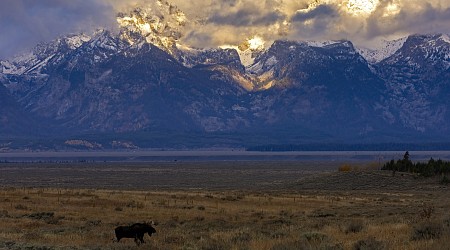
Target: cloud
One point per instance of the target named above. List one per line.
(412, 17)
(247, 14)
(321, 11)
(246, 17)
(24, 23)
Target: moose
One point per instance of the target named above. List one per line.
(135, 231)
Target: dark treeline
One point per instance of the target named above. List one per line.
(431, 168)
(352, 147)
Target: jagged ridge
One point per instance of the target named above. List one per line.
(293, 92)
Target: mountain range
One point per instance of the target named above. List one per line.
(122, 90)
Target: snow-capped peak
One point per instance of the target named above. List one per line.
(320, 44)
(32, 61)
(384, 50)
(75, 41)
(445, 38)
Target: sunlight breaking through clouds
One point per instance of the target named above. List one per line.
(235, 21)
(211, 23)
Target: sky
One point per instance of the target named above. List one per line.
(213, 23)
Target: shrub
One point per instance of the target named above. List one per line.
(31, 236)
(345, 168)
(41, 216)
(216, 244)
(369, 244)
(48, 217)
(54, 220)
(174, 239)
(21, 207)
(427, 231)
(309, 240)
(199, 218)
(447, 223)
(445, 180)
(134, 204)
(305, 245)
(315, 237)
(230, 198)
(426, 212)
(4, 214)
(93, 223)
(355, 226)
(241, 237)
(288, 246)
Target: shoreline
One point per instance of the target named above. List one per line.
(219, 155)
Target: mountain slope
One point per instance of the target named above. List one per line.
(13, 120)
(417, 78)
(329, 87)
(108, 85)
(294, 92)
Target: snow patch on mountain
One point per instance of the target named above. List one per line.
(76, 41)
(321, 44)
(445, 38)
(247, 56)
(382, 51)
(7, 67)
(21, 64)
(271, 61)
(31, 62)
(256, 68)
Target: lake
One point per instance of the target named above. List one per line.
(219, 155)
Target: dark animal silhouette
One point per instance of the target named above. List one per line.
(135, 231)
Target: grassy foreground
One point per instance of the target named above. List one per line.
(46, 218)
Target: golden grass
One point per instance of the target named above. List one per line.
(85, 219)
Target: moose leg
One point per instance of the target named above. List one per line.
(141, 238)
(136, 240)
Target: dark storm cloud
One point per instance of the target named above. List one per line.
(24, 23)
(246, 17)
(200, 39)
(314, 23)
(423, 18)
(321, 11)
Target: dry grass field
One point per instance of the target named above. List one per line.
(332, 210)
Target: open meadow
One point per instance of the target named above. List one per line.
(220, 205)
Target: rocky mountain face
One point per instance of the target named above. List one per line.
(13, 119)
(293, 92)
(330, 87)
(418, 83)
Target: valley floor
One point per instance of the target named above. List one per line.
(220, 205)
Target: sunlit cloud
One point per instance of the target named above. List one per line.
(362, 21)
(212, 23)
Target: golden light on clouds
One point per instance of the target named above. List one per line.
(234, 23)
(362, 7)
(255, 43)
(391, 9)
(211, 23)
